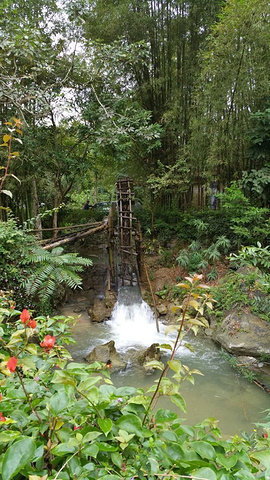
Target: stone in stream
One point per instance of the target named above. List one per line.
(107, 354)
(150, 354)
(244, 334)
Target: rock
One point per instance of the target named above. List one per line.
(162, 309)
(107, 354)
(151, 353)
(244, 334)
(78, 309)
(247, 361)
(103, 307)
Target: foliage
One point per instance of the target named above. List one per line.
(14, 128)
(256, 184)
(248, 224)
(53, 269)
(199, 257)
(15, 247)
(256, 256)
(244, 288)
(62, 419)
(233, 82)
(32, 272)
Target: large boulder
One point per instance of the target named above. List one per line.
(244, 334)
(107, 354)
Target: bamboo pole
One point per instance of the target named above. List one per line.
(153, 297)
(75, 237)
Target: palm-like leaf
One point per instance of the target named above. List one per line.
(54, 268)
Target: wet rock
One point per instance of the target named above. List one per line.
(78, 309)
(150, 354)
(244, 334)
(107, 354)
(103, 307)
(247, 361)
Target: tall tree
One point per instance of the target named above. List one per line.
(234, 82)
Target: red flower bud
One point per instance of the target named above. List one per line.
(2, 418)
(12, 363)
(25, 316)
(48, 342)
(32, 324)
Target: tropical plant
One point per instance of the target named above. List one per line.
(31, 271)
(53, 269)
(197, 258)
(256, 256)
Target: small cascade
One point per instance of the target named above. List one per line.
(132, 322)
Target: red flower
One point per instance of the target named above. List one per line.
(48, 342)
(76, 428)
(0, 397)
(265, 435)
(12, 363)
(32, 324)
(2, 418)
(25, 316)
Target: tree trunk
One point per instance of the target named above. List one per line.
(37, 219)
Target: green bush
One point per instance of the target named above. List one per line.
(249, 288)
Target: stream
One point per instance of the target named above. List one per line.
(220, 393)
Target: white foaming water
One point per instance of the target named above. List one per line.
(134, 325)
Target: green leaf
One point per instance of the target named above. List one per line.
(178, 400)
(263, 456)
(204, 449)
(91, 450)
(63, 449)
(17, 456)
(227, 462)
(8, 436)
(163, 415)
(89, 382)
(93, 395)
(90, 436)
(153, 465)
(105, 424)
(117, 459)
(166, 346)
(59, 402)
(131, 424)
(106, 447)
(205, 473)
(60, 376)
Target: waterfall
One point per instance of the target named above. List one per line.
(132, 322)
